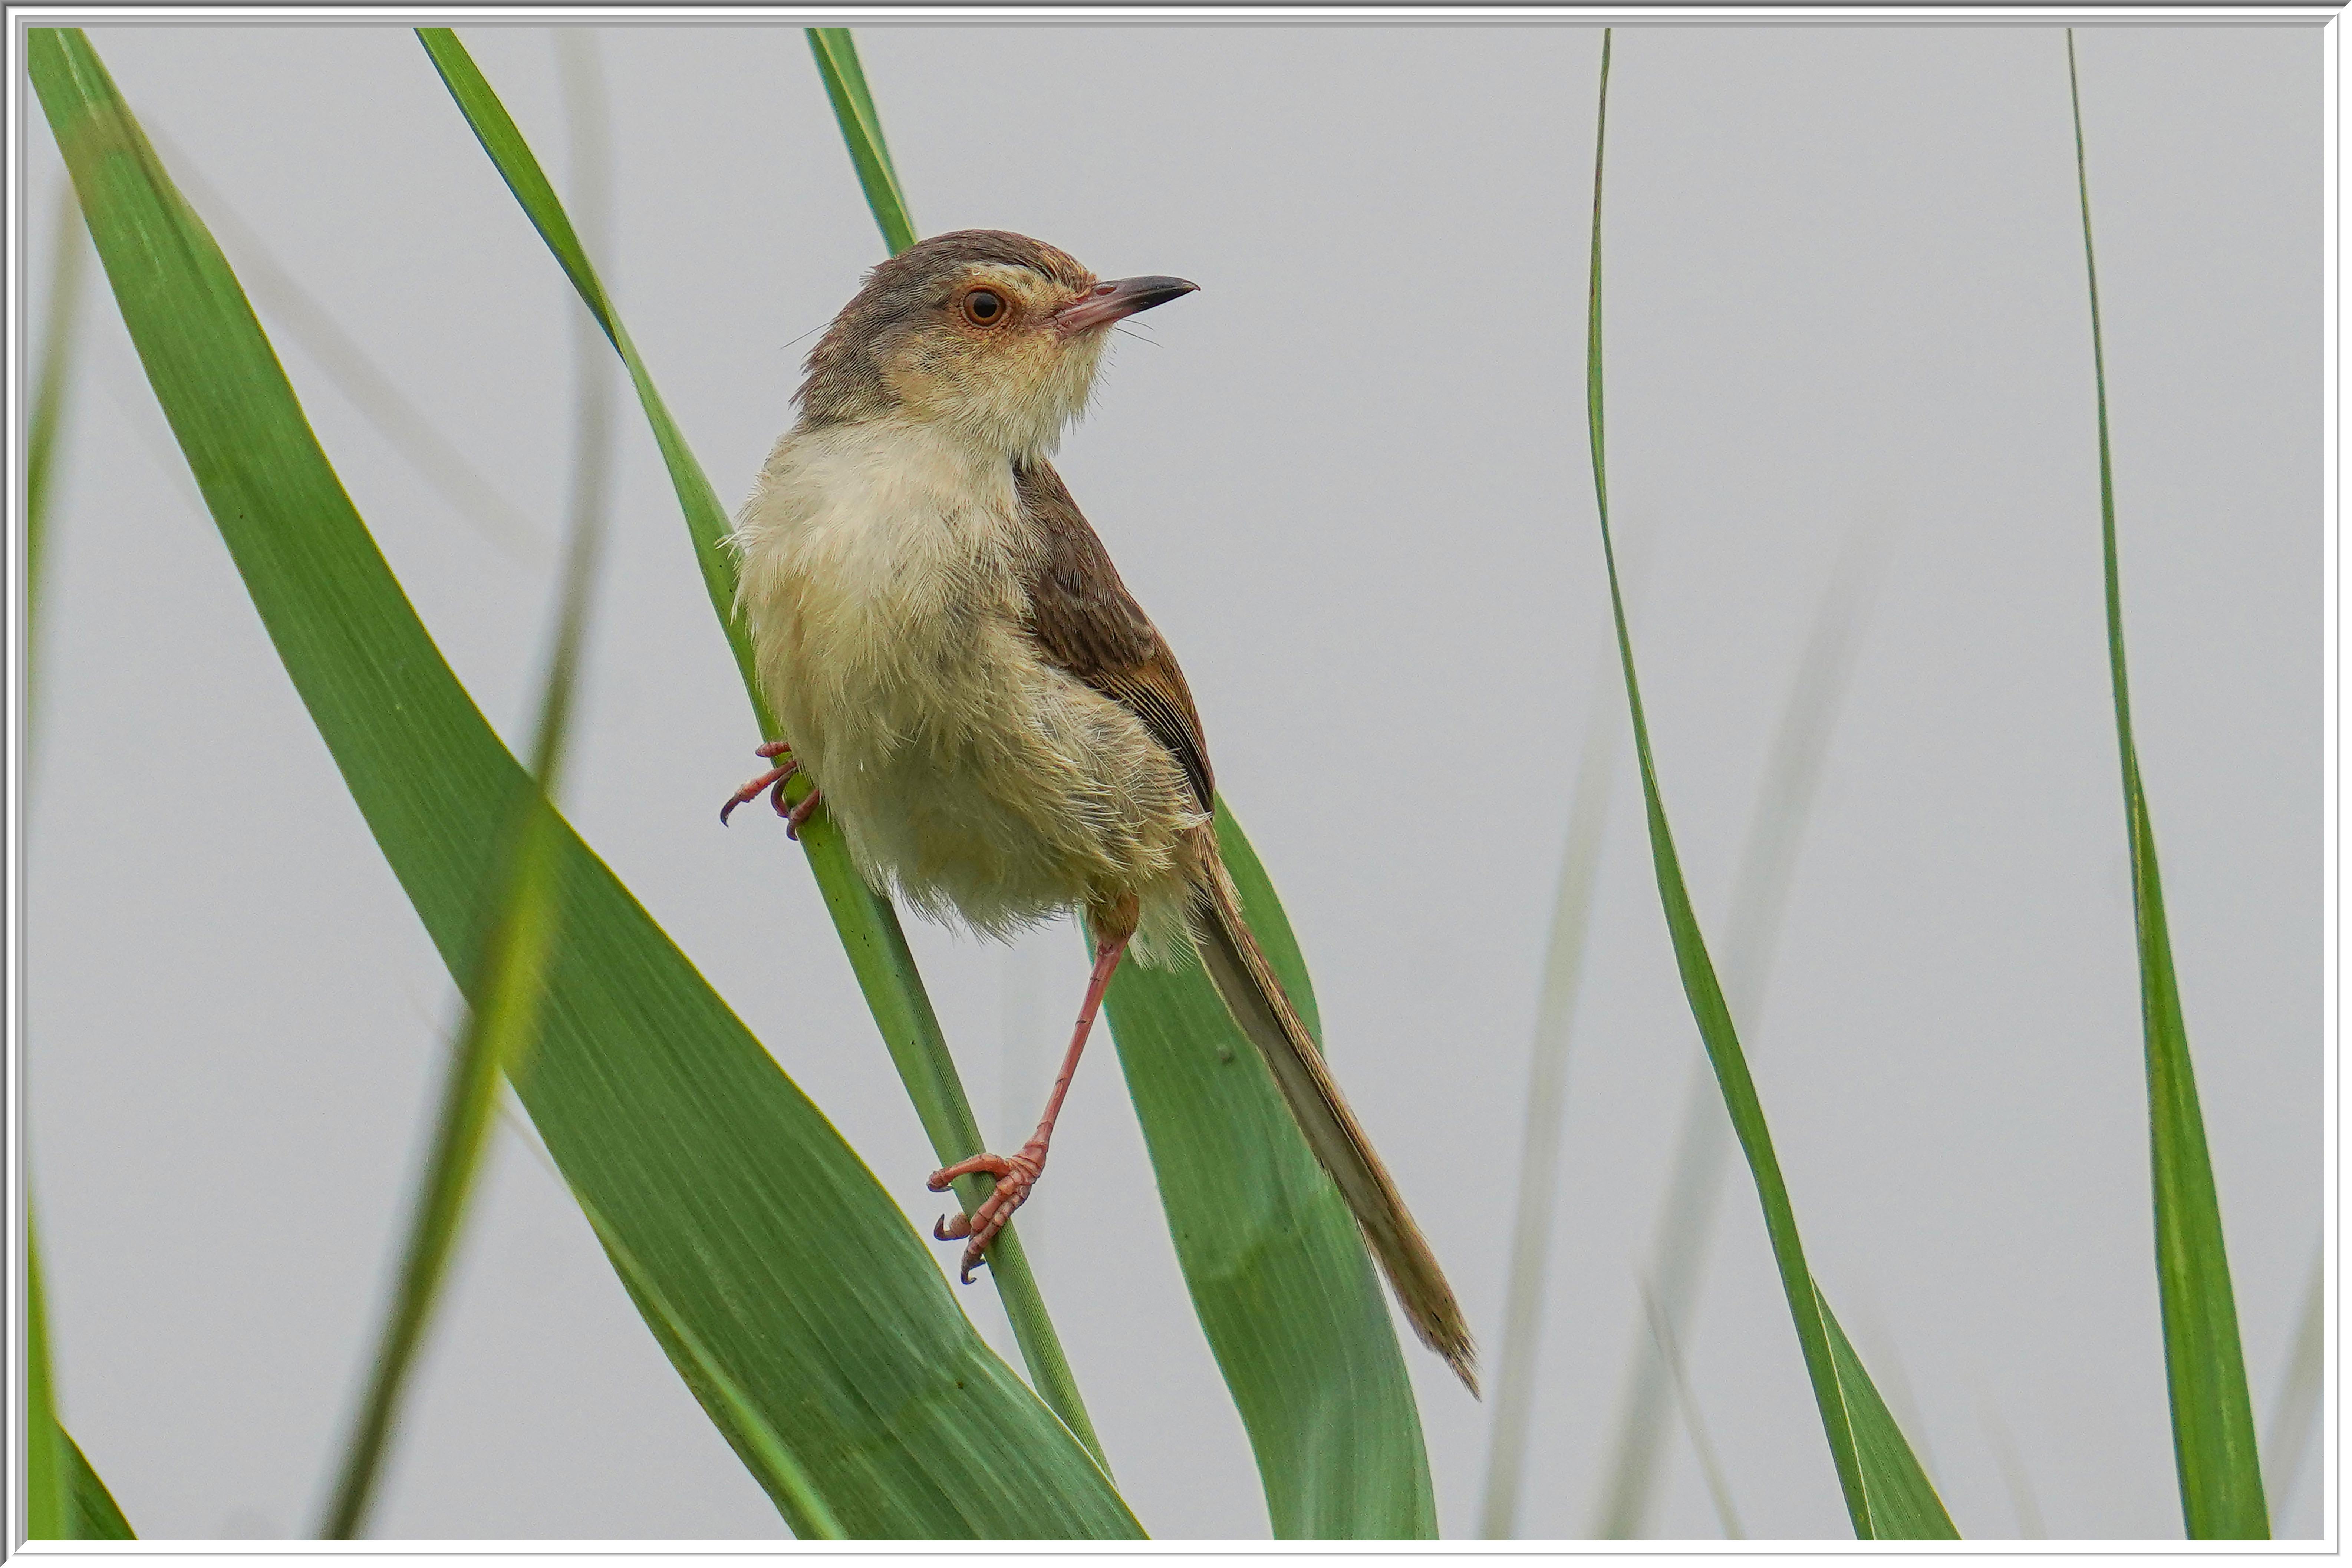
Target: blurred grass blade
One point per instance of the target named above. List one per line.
(866, 923)
(2295, 1414)
(519, 935)
(1886, 1494)
(2015, 1478)
(1710, 1465)
(1276, 1270)
(2205, 1369)
(47, 422)
(861, 129)
(47, 1506)
(1523, 1291)
(408, 430)
(1682, 1237)
(1273, 1260)
(797, 1274)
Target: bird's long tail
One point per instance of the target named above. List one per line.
(1256, 999)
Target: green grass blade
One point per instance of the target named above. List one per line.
(2205, 1369)
(1276, 1270)
(1271, 1257)
(866, 923)
(797, 1272)
(1886, 1493)
(1684, 1233)
(861, 130)
(64, 1499)
(520, 934)
(738, 1416)
(47, 1505)
(95, 1514)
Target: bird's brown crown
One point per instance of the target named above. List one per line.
(962, 329)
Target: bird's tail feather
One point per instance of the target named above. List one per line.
(1256, 999)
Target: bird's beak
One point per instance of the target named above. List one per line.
(1107, 302)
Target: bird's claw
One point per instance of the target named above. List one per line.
(1015, 1174)
(774, 782)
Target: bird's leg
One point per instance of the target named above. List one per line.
(773, 781)
(1015, 1174)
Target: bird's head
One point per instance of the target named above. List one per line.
(992, 335)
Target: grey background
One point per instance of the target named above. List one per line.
(1845, 291)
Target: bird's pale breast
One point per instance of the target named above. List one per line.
(884, 566)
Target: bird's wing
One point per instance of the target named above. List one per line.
(1088, 624)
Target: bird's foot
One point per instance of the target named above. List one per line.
(1015, 1174)
(774, 780)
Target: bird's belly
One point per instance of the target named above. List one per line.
(982, 784)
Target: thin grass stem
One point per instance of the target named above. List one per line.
(1886, 1495)
(2214, 1451)
(1710, 1464)
(1516, 1385)
(45, 428)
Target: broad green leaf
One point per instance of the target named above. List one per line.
(1275, 1264)
(865, 923)
(861, 127)
(2213, 1417)
(1276, 1269)
(738, 1416)
(96, 1516)
(1886, 1493)
(797, 1274)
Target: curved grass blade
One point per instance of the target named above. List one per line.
(861, 129)
(1685, 1231)
(797, 1272)
(868, 925)
(520, 932)
(2204, 1368)
(1271, 1257)
(1276, 1270)
(1886, 1493)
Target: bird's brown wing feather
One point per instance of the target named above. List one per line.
(1088, 624)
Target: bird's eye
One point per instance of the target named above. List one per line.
(983, 307)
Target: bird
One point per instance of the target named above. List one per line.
(998, 730)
